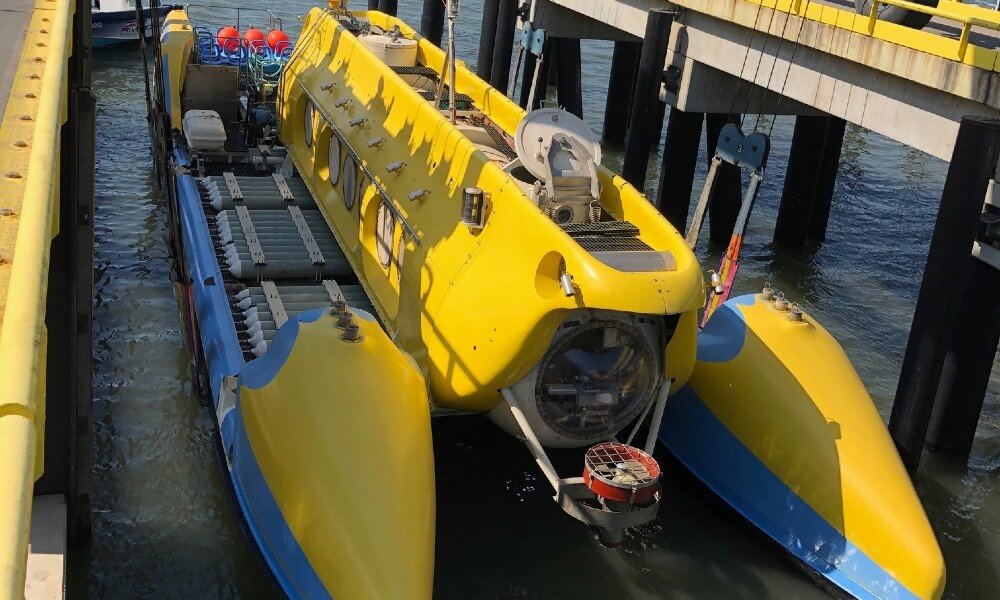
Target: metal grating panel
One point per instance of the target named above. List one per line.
(593, 243)
(601, 228)
(417, 70)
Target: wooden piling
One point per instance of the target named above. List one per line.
(621, 83)
(968, 364)
(373, 4)
(724, 203)
(487, 39)
(646, 96)
(680, 157)
(504, 44)
(388, 7)
(813, 160)
(973, 164)
(827, 180)
(432, 21)
(568, 86)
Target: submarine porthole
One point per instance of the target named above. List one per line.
(350, 191)
(385, 230)
(333, 159)
(308, 116)
(596, 379)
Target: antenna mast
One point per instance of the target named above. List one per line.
(452, 15)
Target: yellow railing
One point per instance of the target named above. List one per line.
(965, 16)
(968, 16)
(29, 195)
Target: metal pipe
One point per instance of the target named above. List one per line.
(531, 441)
(654, 425)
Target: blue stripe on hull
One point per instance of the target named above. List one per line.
(708, 449)
(266, 523)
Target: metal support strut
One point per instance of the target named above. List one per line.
(747, 152)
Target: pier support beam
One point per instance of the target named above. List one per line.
(968, 363)
(432, 21)
(388, 7)
(813, 160)
(724, 203)
(680, 157)
(646, 96)
(504, 38)
(487, 39)
(624, 66)
(68, 313)
(569, 87)
(973, 164)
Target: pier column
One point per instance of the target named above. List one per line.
(646, 96)
(724, 203)
(373, 4)
(827, 179)
(968, 364)
(624, 66)
(680, 157)
(973, 164)
(504, 40)
(388, 7)
(568, 86)
(68, 314)
(432, 21)
(487, 39)
(813, 160)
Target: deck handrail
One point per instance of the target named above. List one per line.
(22, 330)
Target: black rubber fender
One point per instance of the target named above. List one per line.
(895, 14)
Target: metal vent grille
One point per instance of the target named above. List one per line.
(598, 243)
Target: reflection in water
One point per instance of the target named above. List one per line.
(164, 522)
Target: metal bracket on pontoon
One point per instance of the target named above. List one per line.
(575, 497)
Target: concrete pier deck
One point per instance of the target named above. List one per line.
(817, 56)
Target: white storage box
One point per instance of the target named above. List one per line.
(203, 130)
(400, 52)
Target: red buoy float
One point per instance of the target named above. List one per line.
(254, 38)
(229, 38)
(278, 40)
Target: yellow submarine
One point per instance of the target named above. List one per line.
(371, 236)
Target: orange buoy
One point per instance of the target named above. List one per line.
(229, 38)
(277, 40)
(253, 38)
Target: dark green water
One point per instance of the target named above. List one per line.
(164, 523)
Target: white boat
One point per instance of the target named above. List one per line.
(114, 21)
